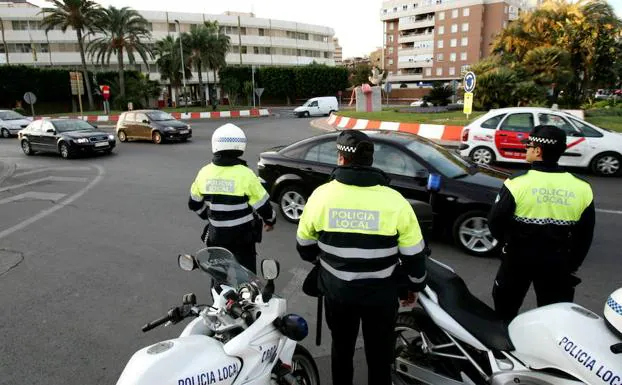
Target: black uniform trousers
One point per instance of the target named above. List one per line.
(378, 322)
(552, 281)
(244, 250)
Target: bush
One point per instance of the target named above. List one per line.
(120, 103)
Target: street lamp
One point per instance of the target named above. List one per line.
(183, 67)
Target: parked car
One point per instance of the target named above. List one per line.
(321, 106)
(467, 192)
(12, 122)
(155, 125)
(417, 103)
(497, 137)
(67, 137)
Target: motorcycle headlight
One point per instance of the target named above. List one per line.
(82, 140)
(110, 137)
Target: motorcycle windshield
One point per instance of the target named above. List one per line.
(222, 266)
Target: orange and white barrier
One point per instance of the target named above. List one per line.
(181, 115)
(430, 131)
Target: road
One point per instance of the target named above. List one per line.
(88, 252)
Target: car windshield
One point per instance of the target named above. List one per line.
(160, 116)
(11, 115)
(222, 266)
(446, 162)
(72, 125)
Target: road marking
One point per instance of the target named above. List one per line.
(47, 178)
(50, 169)
(44, 213)
(618, 212)
(33, 195)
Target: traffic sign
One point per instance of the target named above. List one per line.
(388, 87)
(259, 91)
(75, 79)
(469, 82)
(468, 103)
(30, 98)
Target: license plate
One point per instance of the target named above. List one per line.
(102, 144)
(183, 131)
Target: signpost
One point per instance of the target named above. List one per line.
(258, 92)
(75, 79)
(106, 95)
(469, 87)
(340, 93)
(31, 99)
(387, 89)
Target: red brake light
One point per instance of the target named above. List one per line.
(465, 135)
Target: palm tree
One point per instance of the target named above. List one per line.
(217, 47)
(122, 30)
(169, 61)
(197, 42)
(79, 15)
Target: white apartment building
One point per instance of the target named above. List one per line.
(264, 42)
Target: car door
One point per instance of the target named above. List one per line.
(577, 147)
(594, 141)
(319, 161)
(512, 130)
(314, 108)
(34, 135)
(129, 125)
(143, 129)
(49, 137)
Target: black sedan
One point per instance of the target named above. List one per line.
(68, 137)
(437, 182)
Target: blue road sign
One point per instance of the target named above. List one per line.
(469, 82)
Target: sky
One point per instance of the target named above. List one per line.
(356, 22)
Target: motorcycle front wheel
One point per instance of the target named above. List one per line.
(304, 368)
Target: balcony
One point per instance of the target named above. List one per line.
(415, 51)
(415, 37)
(415, 64)
(427, 22)
(405, 78)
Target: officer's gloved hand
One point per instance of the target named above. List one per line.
(410, 300)
(268, 228)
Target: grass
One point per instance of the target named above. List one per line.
(457, 118)
(182, 109)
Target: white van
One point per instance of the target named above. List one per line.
(324, 105)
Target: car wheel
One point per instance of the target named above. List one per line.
(331, 112)
(307, 114)
(607, 164)
(5, 133)
(26, 148)
(292, 201)
(482, 155)
(64, 150)
(471, 233)
(156, 137)
(122, 136)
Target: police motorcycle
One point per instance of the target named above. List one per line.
(454, 338)
(244, 337)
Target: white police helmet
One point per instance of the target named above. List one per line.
(228, 137)
(613, 311)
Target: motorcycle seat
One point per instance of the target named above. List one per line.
(474, 315)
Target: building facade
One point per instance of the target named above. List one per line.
(254, 41)
(428, 40)
(338, 55)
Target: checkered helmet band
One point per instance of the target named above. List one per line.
(225, 139)
(343, 148)
(614, 305)
(537, 139)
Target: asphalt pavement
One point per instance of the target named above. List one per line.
(88, 251)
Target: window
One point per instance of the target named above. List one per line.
(20, 25)
(465, 27)
(558, 121)
(130, 117)
(441, 16)
(465, 41)
(440, 57)
(323, 153)
(172, 27)
(384, 11)
(466, 12)
(140, 118)
(390, 50)
(493, 122)
(405, 7)
(439, 72)
(454, 13)
(463, 56)
(452, 56)
(518, 123)
(441, 30)
(439, 44)
(453, 43)
(428, 72)
(391, 26)
(395, 9)
(452, 71)
(35, 127)
(587, 130)
(390, 38)
(505, 9)
(390, 62)
(243, 31)
(393, 161)
(262, 32)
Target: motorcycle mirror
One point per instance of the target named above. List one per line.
(186, 262)
(269, 269)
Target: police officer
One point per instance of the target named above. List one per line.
(361, 230)
(228, 195)
(545, 218)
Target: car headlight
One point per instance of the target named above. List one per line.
(82, 140)
(110, 137)
(170, 129)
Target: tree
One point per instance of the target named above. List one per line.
(247, 88)
(360, 75)
(169, 62)
(218, 44)
(197, 43)
(122, 30)
(232, 87)
(81, 16)
(440, 94)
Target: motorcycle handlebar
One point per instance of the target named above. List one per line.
(237, 311)
(173, 315)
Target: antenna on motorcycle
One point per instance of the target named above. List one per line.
(270, 271)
